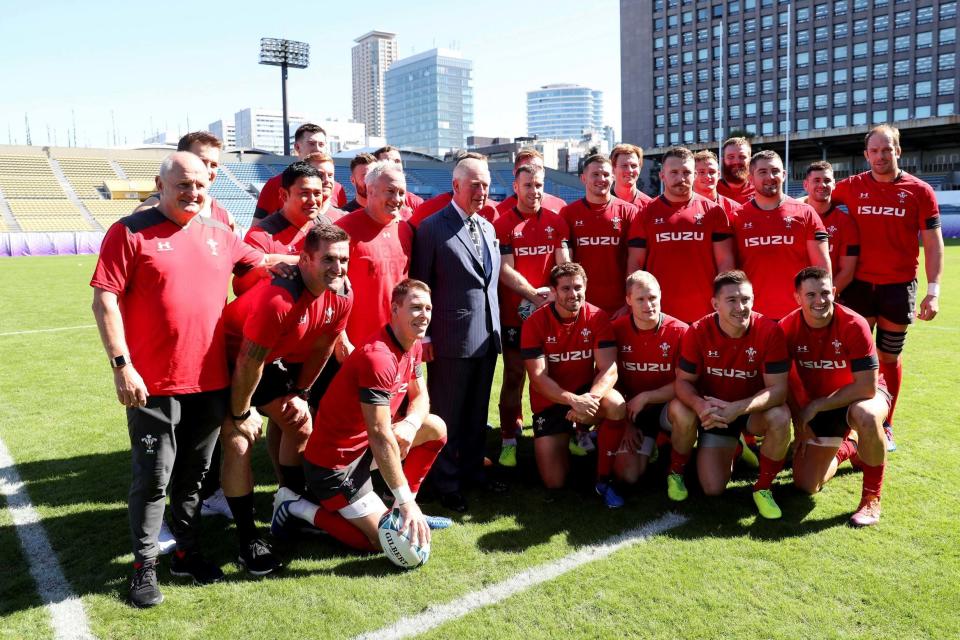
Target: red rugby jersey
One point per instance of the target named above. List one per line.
(890, 217)
(598, 236)
(679, 240)
(732, 368)
(274, 234)
(285, 317)
(827, 358)
(551, 202)
(171, 282)
(270, 202)
(436, 203)
(843, 236)
(741, 194)
(377, 373)
(772, 248)
(532, 242)
(640, 200)
(379, 259)
(567, 346)
(647, 359)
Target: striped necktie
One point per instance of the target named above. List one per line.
(474, 235)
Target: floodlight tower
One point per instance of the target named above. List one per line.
(282, 53)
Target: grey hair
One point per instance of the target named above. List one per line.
(379, 168)
(466, 165)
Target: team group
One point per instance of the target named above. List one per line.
(706, 316)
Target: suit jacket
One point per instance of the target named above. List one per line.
(466, 313)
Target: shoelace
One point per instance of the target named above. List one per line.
(142, 577)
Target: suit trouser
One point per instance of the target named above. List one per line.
(460, 394)
(171, 442)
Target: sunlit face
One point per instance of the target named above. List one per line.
(210, 157)
(736, 159)
(183, 190)
(393, 156)
(327, 264)
(326, 171)
(815, 298)
(819, 186)
(304, 197)
(767, 177)
(644, 303)
(411, 318)
(676, 175)
(706, 176)
(310, 143)
(733, 303)
(528, 188)
(626, 170)
(471, 189)
(570, 293)
(882, 154)
(597, 177)
(385, 197)
(358, 177)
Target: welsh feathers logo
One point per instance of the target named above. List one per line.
(616, 224)
(788, 221)
(149, 443)
(751, 354)
(836, 345)
(698, 218)
(665, 349)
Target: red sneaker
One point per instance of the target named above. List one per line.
(868, 513)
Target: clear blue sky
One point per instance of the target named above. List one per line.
(171, 62)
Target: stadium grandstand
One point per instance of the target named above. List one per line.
(48, 194)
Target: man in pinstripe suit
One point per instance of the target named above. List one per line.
(456, 253)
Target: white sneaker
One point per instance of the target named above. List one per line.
(216, 505)
(165, 541)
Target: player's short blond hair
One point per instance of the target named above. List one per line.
(642, 278)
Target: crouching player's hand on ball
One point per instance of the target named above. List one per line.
(415, 526)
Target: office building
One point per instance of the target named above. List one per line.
(371, 57)
(564, 111)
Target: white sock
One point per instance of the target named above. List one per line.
(304, 509)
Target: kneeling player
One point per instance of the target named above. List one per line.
(357, 426)
(648, 346)
(288, 329)
(836, 361)
(570, 355)
(732, 376)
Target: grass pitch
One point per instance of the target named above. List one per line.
(724, 574)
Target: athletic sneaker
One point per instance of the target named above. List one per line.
(581, 444)
(888, 431)
(610, 498)
(508, 455)
(194, 565)
(868, 513)
(165, 541)
(676, 488)
(257, 558)
(747, 455)
(766, 505)
(438, 522)
(144, 591)
(281, 512)
(216, 505)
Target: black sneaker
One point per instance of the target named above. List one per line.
(258, 558)
(144, 592)
(194, 565)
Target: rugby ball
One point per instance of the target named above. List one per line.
(526, 307)
(397, 547)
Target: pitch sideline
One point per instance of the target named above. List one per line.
(67, 616)
(438, 615)
(21, 333)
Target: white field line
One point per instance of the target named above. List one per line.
(437, 615)
(21, 333)
(67, 617)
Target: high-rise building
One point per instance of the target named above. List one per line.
(262, 129)
(226, 131)
(429, 102)
(564, 111)
(372, 56)
(693, 72)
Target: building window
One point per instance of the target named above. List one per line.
(901, 19)
(802, 124)
(750, 109)
(767, 107)
(661, 140)
(859, 96)
(924, 88)
(674, 119)
(901, 68)
(768, 128)
(859, 118)
(673, 80)
(880, 116)
(948, 35)
(881, 47)
(948, 11)
(673, 40)
(661, 121)
(840, 99)
(861, 5)
(840, 30)
(658, 62)
(803, 81)
(881, 23)
(766, 22)
(924, 39)
(901, 43)
(840, 53)
(658, 43)
(734, 111)
(860, 27)
(840, 8)
(839, 76)
(784, 105)
(803, 37)
(945, 109)
(750, 89)
(703, 75)
(767, 64)
(821, 79)
(674, 138)
(859, 50)
(821, 34)
(688, 97)
(880, 71)
(821, 11)
(766, 87)
(704, 135)
(733, 28)
(672, 20)
(688, 57)
(803, 14)
(924, 15)
(733, 71)
(703, 35)
(674, 100)
(766, 44)
(840, 120)
(702, 55)
(750, 47)
(658, 82)
(820, 122)
(821, 56)
(734, 91)
(733, 51)
(901, 92)
(687, 17)
(945, 86)
(901, 114)
(879, 94)
(688, 117)
(717, 11)
(750, 67)
(783, 18)
(820, 101)
(658, 102)
(703, 115)
(688, 137)
(859, 74)
(946, 61)
(703, 95)
(750, 25)
(688, 37)
(922, 111)
(803, 103)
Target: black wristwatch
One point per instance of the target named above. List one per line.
(119, 361)
(243, 416)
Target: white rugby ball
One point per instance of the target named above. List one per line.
(398, 548)
(526, 307)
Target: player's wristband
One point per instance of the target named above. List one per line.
(411, 423)
(243, 416)
(402, 494)
(933, 289)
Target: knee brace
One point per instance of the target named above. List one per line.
(891, 341)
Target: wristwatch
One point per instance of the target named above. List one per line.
(119, 361)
